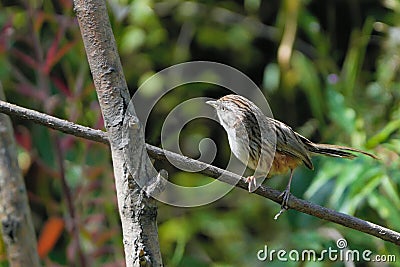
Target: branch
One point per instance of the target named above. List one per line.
(15, 217)
(209, 170)
(69, 203)
(137, 211)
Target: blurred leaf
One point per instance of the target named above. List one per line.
(328, 171)
(390, 188)
(384, 134)
(389, 62)
(355, 57)
(310, 83)
(74, 175)
(151, 84)
(339, 112)
(212, 37)
(348, 174)
(132, 38)
(252, 5)
(306, 240)
(55, 54)
(49, 235)
(360, 190)
(23, 138)
(312, 27)
(271, 77)
(238, 37)
(141, 11)
(385, 210)
(175, 231)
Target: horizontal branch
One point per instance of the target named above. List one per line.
(209, 170)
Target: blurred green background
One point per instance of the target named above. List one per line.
(330, 69)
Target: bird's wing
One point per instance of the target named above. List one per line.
(288, 141)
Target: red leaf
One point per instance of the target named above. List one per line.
(25, 58)
(67, 4)
(54, 54)
(67, 142)
(61, 86)
(23, 137)
(5, 34)
(60, 53)
(51, 232)
(30, 91)
(52, 51)
(38, 21)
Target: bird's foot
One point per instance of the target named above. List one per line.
(251, 180)
(285, 195)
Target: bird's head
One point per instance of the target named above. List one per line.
(232, 108)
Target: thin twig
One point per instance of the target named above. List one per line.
(69, 202)
(209, 170)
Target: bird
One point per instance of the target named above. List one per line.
(269, 146)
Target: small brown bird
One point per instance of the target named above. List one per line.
(269, 146)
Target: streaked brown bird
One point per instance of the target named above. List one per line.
(269, 146)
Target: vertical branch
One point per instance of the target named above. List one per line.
(15, 216)
(138, 212)
(69, 203)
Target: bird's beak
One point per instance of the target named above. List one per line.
(212, 103)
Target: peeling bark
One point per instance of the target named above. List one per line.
(138, 211)
(15, 216)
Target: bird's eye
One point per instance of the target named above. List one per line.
(223, 108)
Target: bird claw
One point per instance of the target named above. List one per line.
(279, 214)
(251, 180)
(285, 195)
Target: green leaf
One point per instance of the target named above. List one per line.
(310, 83)
(342, 115)
(327, 172)
(353, 201)
(348, 174)
(271, 77)
(355, 57)
(384, 134)
(390, 188)
(133, 37)
(385, 209)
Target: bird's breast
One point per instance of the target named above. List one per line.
(238, 148)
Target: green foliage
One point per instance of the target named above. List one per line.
(341, 85)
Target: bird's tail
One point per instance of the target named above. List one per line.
(337, 151)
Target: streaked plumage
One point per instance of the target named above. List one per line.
(267, 145)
